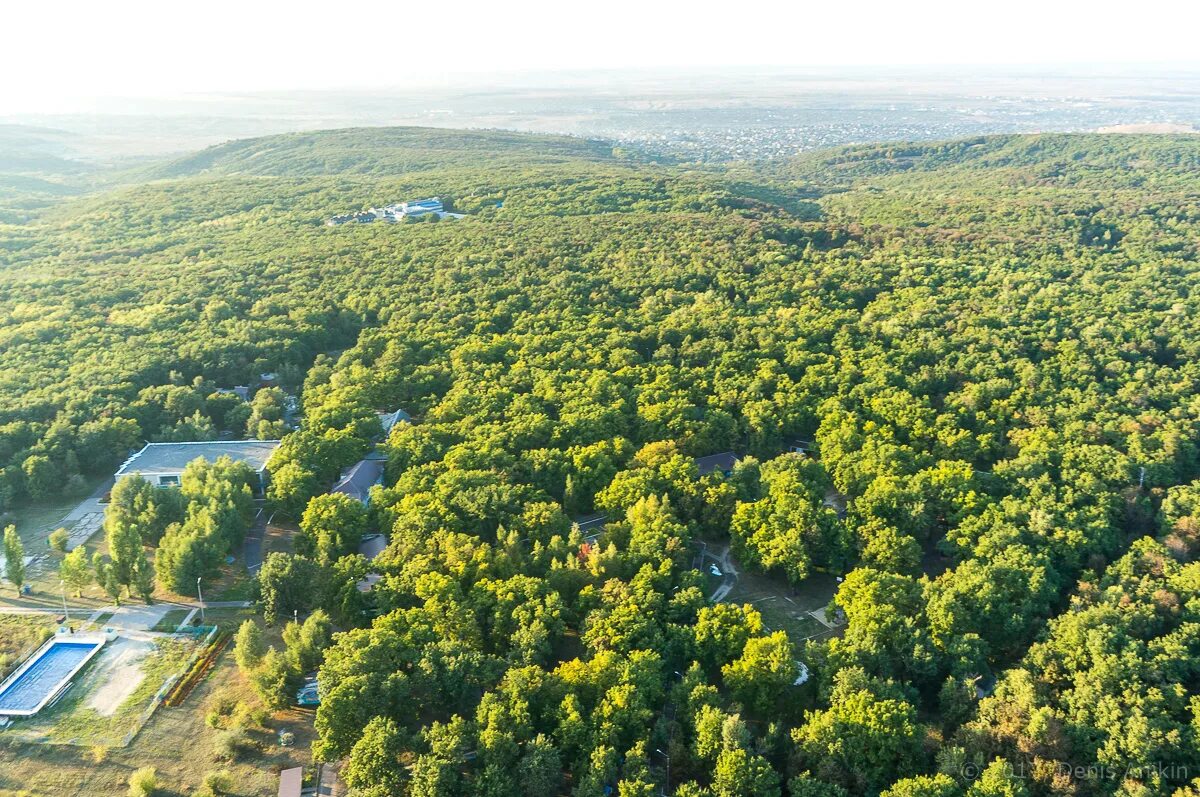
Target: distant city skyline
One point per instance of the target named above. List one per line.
(75, 56)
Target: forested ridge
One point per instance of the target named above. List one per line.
(991, 345)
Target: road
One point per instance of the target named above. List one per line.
(252, 548)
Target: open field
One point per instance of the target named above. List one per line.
(178, 742)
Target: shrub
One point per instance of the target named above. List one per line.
(230, 745)
(219, 782)
(143, 782)
(247, 716)
(58, 540)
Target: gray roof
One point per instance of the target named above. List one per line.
(716, 462)
(372, 545)
(390, 419)
(168, 458)
(358, 479)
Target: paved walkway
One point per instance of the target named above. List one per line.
(728, 570)
(85, 520)
(252, 548)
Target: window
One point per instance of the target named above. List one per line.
(168, 481)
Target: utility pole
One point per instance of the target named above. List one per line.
(200, 595)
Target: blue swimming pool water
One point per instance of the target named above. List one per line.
(45, 676)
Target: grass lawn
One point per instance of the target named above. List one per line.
(177, 742)
(782, 606)
(170, 621)
(20, 634)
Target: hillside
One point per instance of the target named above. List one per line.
(1106, 161)
(381, 152)
(992, 347)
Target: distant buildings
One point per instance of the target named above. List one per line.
(396, 213)
(162, 464)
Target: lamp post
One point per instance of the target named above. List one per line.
(667, 790)
(200, 596)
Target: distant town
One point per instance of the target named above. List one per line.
(402, 211)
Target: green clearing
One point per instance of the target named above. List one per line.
(783, 607)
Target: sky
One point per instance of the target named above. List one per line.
(71, 55)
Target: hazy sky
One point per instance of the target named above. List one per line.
(65, 55)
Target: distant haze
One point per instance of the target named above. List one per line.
(75, 56)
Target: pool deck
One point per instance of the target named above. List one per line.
(43, 675)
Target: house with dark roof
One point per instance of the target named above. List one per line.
(389, 419)
(717, 463)
(358, 479)
(162, 464)
(370, 547)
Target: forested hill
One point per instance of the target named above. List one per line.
(382, 152)
(999, 374)
(1060, 160)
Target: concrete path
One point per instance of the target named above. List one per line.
(728, 570)
(85, 519)
(252, 548)
(30, 610)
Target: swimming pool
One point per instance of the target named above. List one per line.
(42, 677)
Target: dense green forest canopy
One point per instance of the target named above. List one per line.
(992, 345)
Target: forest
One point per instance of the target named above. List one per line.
(989, 349)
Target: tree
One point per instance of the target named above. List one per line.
(286, 584)
(332, 526)
(249, 646)
(291, 488)
(540, 769)
(187, 552)
(271, 680)
(306, 642)
(375, 759)
(998, 780)
(739, 773)
(14, 558)
(75, 571)
(143, 577)
(867, 737)
(939, 785)
(764, 673)
(130, 506)
(41, 477)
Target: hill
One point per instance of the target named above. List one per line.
(381, 152)
(1061, 160)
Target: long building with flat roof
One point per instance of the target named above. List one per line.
(162, 464)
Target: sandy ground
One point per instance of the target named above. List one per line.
(117, 671)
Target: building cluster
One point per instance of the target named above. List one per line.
(401, 211)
